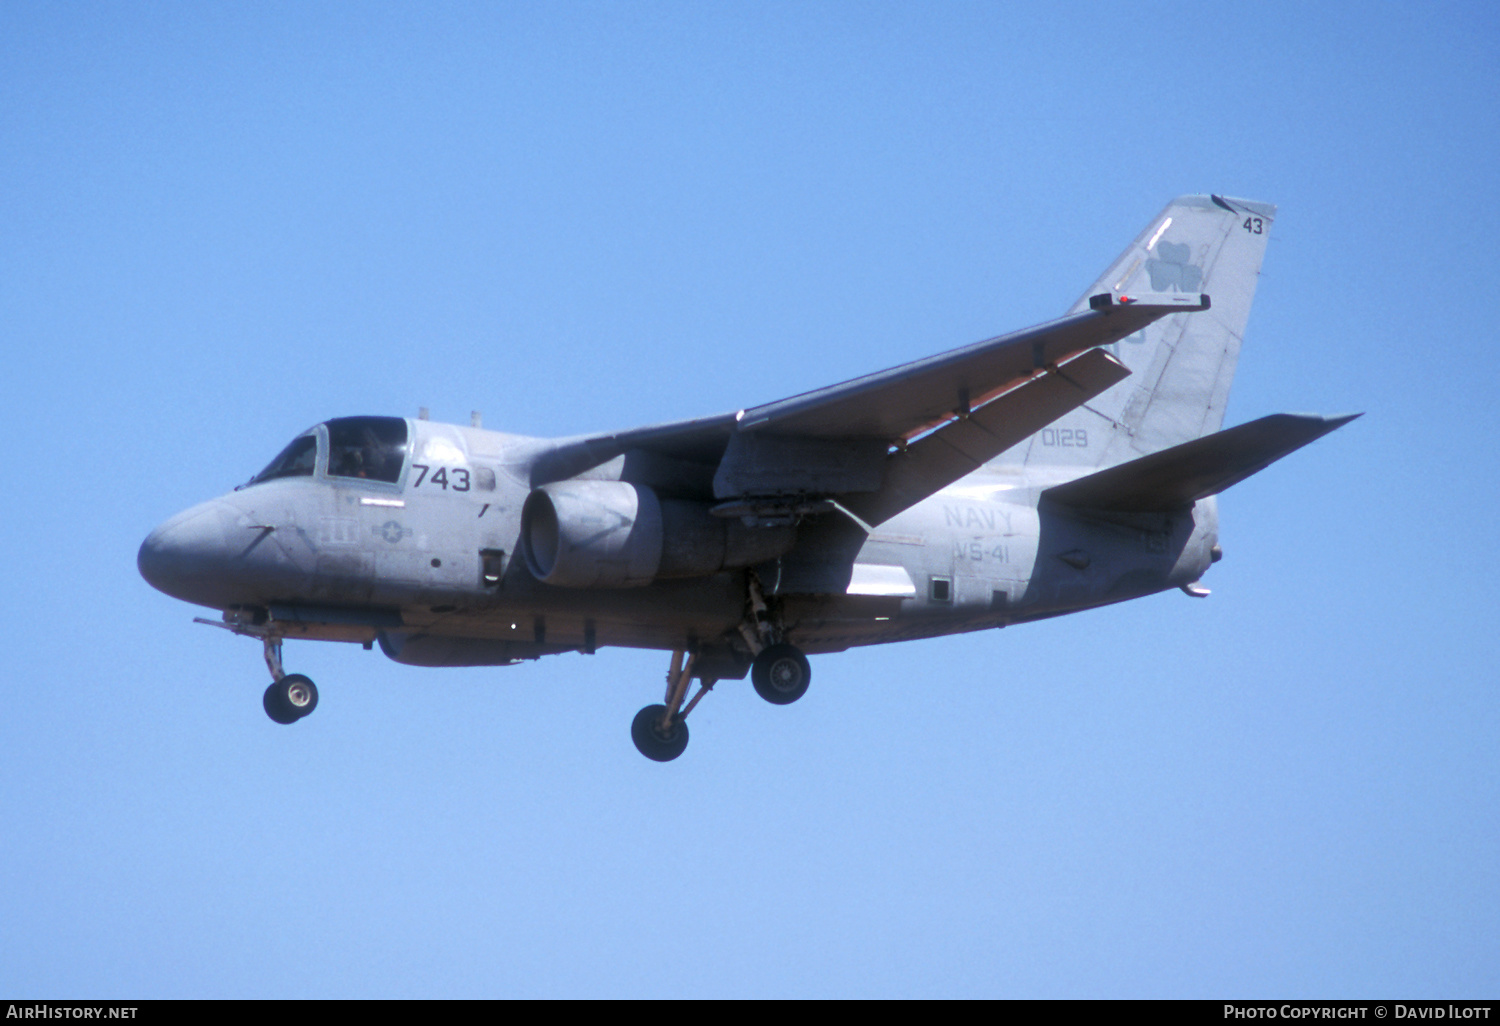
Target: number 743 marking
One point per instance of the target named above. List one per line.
(455, 477)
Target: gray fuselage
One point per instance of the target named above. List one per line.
(428, 563)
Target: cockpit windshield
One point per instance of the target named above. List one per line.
(296, 460)
(365, 448)
(371, 448)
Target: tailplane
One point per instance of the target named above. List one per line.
(1182, 365)
(1174, 479)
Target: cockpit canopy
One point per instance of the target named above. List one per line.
(364, 448)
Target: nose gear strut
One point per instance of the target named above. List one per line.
(290, 696)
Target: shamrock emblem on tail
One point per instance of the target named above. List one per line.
(1171, 269)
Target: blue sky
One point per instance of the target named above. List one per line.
(222, 223)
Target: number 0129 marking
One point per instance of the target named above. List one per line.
(1066, 438)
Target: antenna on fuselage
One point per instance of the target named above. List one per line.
(422, 413)
(475, 420)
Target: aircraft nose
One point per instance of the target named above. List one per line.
(185, 554)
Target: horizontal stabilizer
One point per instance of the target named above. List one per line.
(1177, 477)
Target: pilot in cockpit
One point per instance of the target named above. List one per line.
(371, 448)
(364, 448)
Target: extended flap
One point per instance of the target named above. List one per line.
(961, 446)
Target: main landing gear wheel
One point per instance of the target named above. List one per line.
(651, 741)
(781, 674)
(290, 698)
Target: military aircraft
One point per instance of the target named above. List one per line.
(1059, 468)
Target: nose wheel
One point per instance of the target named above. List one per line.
(290, 698)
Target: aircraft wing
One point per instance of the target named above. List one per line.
(944, 415)
(904, 401)
(700, 441)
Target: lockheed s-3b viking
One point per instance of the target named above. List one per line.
(1055, 469)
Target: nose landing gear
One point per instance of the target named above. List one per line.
(290, 696)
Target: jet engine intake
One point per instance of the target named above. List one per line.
(614, 534)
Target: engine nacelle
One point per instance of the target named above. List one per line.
(613, 534)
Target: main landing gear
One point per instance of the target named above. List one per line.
(780, 674)
(654, 741)
(660, 732)
(290, 696)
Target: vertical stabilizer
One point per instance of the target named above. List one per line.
(1181, 366)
